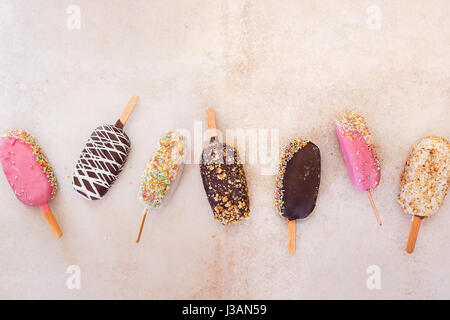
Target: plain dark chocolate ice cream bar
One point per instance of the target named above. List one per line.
(224, 179)
(103, 157)
(297, 183)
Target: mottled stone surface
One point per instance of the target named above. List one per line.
(287, 65)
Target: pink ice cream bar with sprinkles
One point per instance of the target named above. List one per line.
(359, 153)
(29, 173)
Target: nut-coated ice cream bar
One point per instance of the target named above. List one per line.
(224, 179)
(424, 182)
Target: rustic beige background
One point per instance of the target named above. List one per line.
(290, 65)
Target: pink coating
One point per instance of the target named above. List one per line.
(25, 176)
(362, 166)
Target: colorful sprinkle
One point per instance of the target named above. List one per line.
(162, 170)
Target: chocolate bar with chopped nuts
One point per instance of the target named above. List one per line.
(224, 182)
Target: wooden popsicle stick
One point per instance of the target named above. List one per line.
(142, 225)
(128, 110)
(211, 118)
(413, 234)
(375, 210)
(48, 214)
(292, 233)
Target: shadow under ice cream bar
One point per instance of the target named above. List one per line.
(162, 173)
(424, 182)
(103, 157)
(359, 153)
(224, 179)
(297, 184)
(29, 173)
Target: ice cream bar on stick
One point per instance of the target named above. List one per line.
(29, 173)
(162, 173)
(359, 154)
(424, 182)
(224, 178)
(103, 157)
(297, 184)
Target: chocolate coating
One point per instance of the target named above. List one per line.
(100, 162)
(224, 182)
(301, 182)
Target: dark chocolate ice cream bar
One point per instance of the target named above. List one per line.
(224, 179)
(103, 157)
(297, 183)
